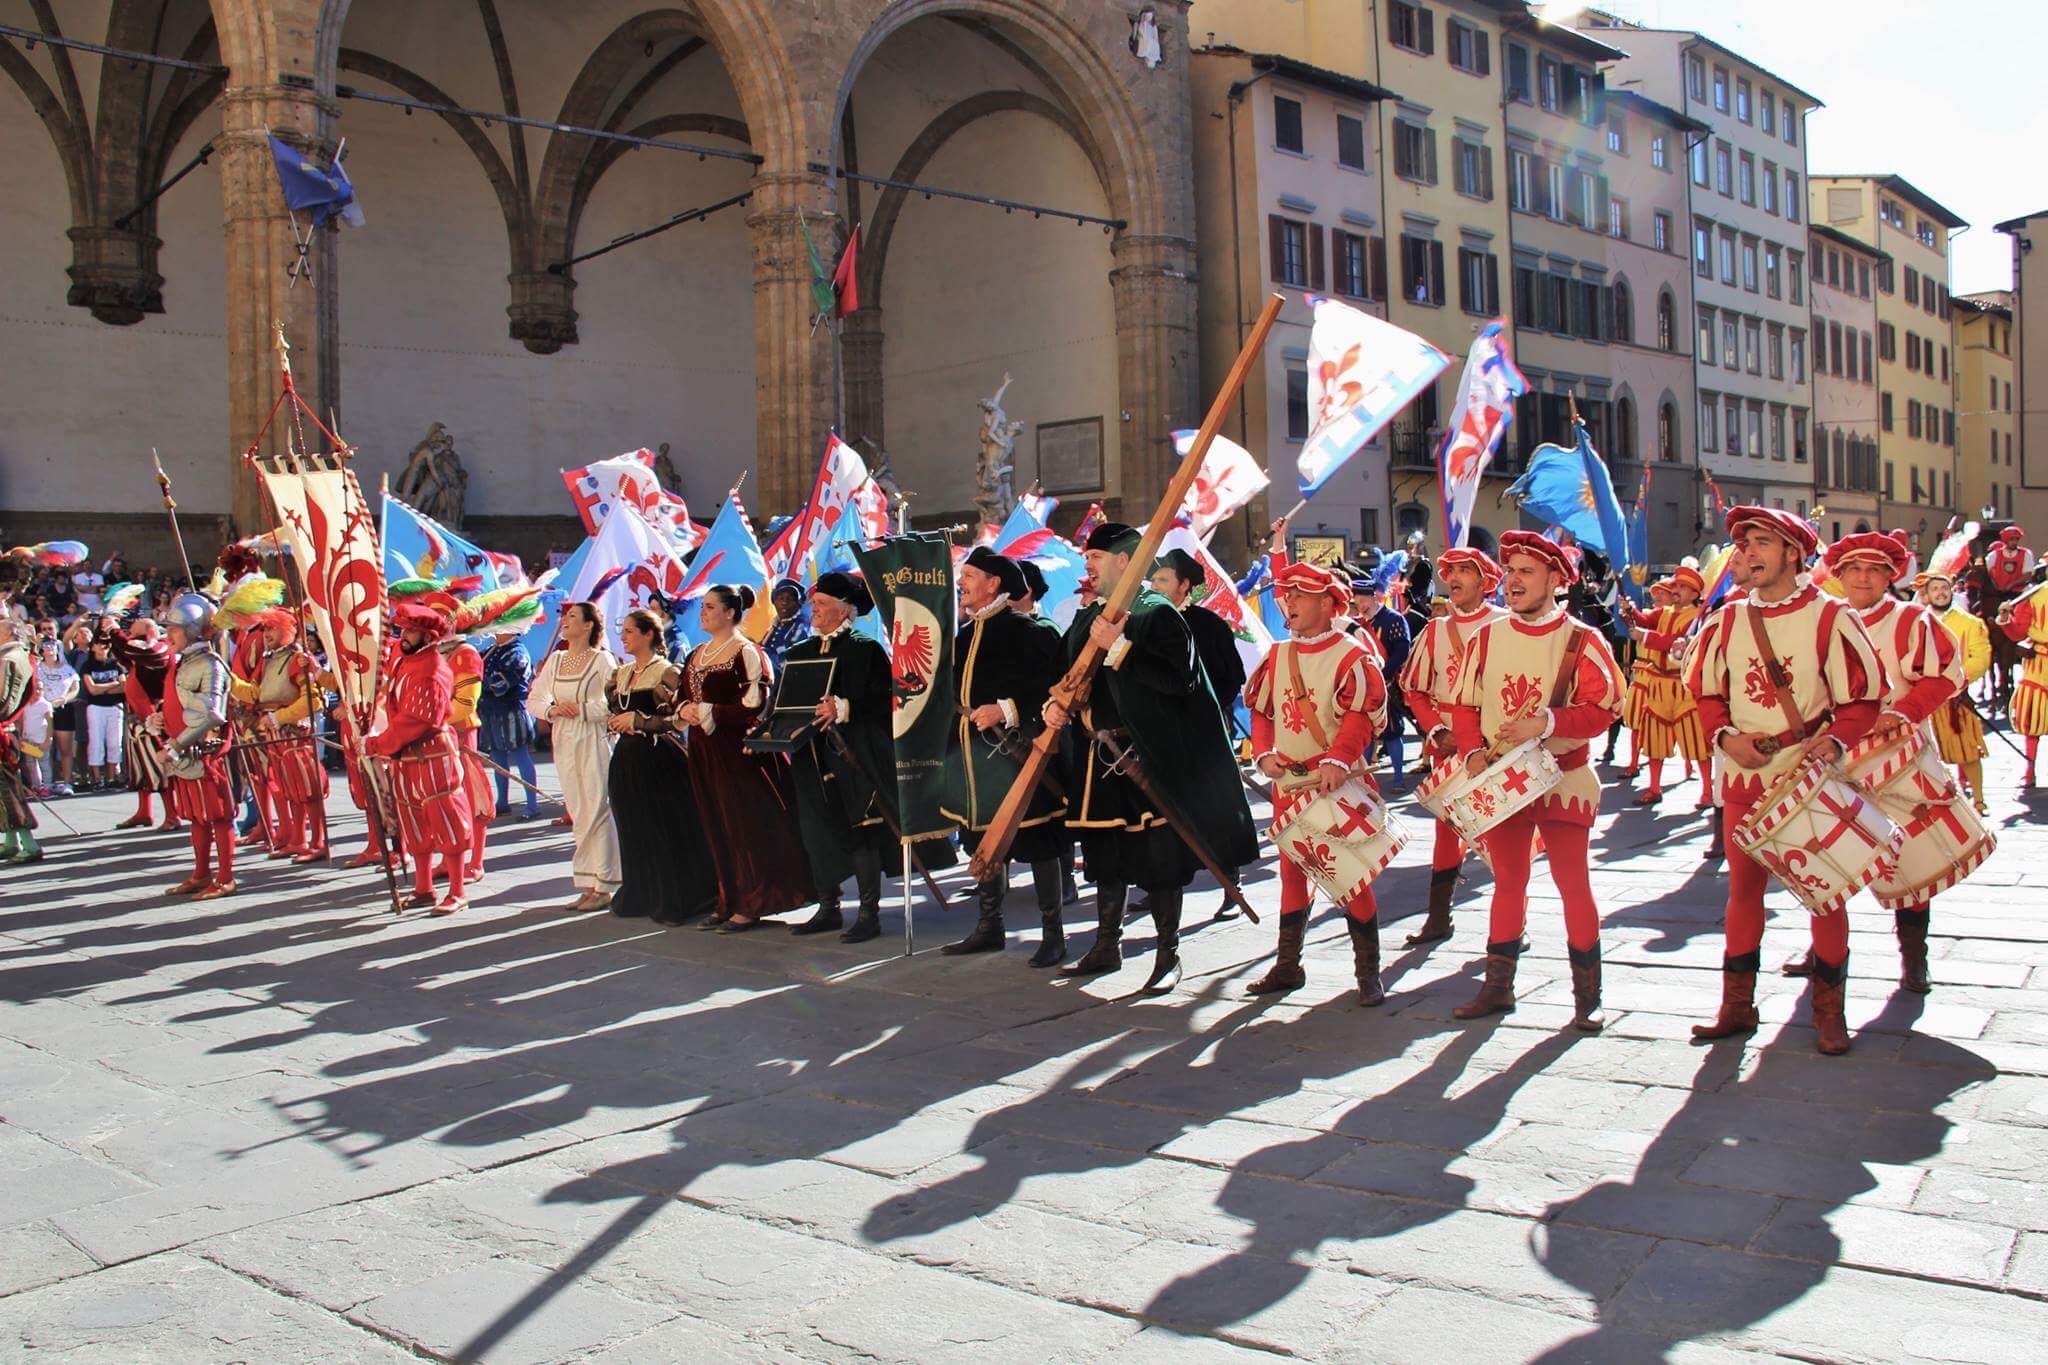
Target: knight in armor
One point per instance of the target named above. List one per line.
(284, 694)
(1923, 669)
(839, 798)
(1429, 682)
(193, 720)
(1785, 676)
(1316, 701)
(430, 784)
(146, 656)
(17, 690)
(1538, 674)
(1003, 668)
(1958, 729)
(1150, 697)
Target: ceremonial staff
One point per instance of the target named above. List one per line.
(845, 751)
(1070, 690)
(163, 481)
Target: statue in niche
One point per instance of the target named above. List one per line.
(995, 494)
(665, 469)
(433, 480)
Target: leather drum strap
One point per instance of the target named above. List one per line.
(1568, 667)
(1781, 681)
(1315, 727)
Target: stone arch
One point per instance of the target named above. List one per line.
(1667, 320)
(1668, 427)
(1624, 436)
(1622, 307)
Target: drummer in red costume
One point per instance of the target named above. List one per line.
(1429, 683)
(193, 719)
(1923, 666)
(1538, 674)
(1317, 700)
(431, 792)
(1816, 695)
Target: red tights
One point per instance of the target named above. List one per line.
(1448, 853)
(213, 840)
(1510, 847)
(1296, 895)
(1747, 882)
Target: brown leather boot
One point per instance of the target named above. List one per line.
(1497, 991)
(1738, 1001)
(1586, 1016)
(1365, 960)
(1285, 973)
(1912, 930)
(1717, 850)
(1830, 1027)
(1800, 966)
(1436, 922)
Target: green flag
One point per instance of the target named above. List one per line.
(823, 300)
(912, 581)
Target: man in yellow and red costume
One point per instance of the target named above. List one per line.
(1663, 715)
(283, 691)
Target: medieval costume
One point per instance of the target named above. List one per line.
(192, 717)
(147, 657)
(1215, 642)
(466, 668)
(1958, 729)
(282, 695)
(583, 755)
(1004, 660)
(1389, 631)
(1660, 712)
(838, 800)
(17, 689)
(1429, 683)
(430, 781)
(665, 867)
(748, 813)
(1150, 699)
(2025, 622)
(1788, 669)
(1316, 703)
(1552, 666)
(507, 734)
(786, 630)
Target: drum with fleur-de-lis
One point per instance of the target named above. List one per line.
(1819, 836)
(1341, 839)
(1475, 804)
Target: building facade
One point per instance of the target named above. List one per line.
(1842, 352)
(1747, 244)
(1986, 424)
(1916, 395)
(2030, 362)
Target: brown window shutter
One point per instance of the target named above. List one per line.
(1436, 272)
(1315, 257)
(1485, 61)
(1276, 234)
(1426, 25)
(1429, 166)
(1493, 285)
(1486, 173)
(1376, 264)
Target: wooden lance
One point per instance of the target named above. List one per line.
(1069, 691)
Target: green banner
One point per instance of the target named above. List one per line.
(912, 580)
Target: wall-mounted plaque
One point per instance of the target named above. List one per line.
(1320, 549)
(1070, 456)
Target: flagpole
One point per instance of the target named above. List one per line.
(909, 900)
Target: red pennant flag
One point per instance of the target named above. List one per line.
(845, 276)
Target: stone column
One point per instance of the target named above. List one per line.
(860, 363)
(260, 294)
(793, 377)
(1158, 371)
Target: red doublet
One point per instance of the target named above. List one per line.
(426, 767)
(1429, 685)
(1923, 663)
(2007, 565)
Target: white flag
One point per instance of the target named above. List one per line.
(1229, 479)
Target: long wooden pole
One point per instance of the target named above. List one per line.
(994, 849)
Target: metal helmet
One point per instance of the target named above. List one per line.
(192, 613)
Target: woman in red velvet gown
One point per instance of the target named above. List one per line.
(748, 814)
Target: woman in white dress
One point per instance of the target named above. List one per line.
(568, 693)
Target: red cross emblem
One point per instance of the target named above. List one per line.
(1517, 781)
(1845, 823)
(1357, 820)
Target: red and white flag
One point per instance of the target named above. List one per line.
(1218, 593)
(842, 485)
(601, 485)
(326, 525)
(1229, 479)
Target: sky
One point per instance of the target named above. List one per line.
(1947, 96)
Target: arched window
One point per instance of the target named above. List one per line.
(1624, 305)
(1667, 431)
(1667, 324)
(1625, 427)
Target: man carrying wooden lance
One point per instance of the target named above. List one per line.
(1663, 715)
(1786, 676)
(1538, 674)
(1003, 666)
(1923, 669)
(1150, 702)
(17, 690)
(146, 655)
(1429, 683)
(1316, 700)
(430, 787)
(192, 718)
(838, 799)
(282, 692)
(1958, 729)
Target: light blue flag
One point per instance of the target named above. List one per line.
(1025, 536)
(835, 554)
(552, 598)
(417, 546)
(1572, 489)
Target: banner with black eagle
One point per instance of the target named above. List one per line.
(911, 578)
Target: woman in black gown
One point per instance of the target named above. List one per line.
(665, 865)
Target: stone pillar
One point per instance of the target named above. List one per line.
(260, 294)
(793, 377)
(860, 362)
(1158, 371)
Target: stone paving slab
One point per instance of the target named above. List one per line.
(290, 1125)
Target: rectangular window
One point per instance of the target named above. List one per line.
(1770, 119)
(1710, 421)
(1753, 345)
(1776, 351)
(1412, 27)
(1422, 270)
(1696, 78)
(1777, 432)
(1869, 372)
(1660, 153)
(1773, 280)
(1525, 297)
(1913, 417)
(1297, 403)
(1887, 342)
(1724, 170)
(1749, 275)
(1790, 119)
(1518, 73)
(1798, 349)
(1468, 48)
(1660, 231)
(1795, 290)
(1415, 153)
(1352, 257)
(1884, 411)
(1474, 167)
(1553, 192)
(1799, 435)
(1287, 124)
(1703, 249)
(1721, 89)
(1617, 134)
(1289, 245)
(1731, 342)
(1698, 152)
(1478, 282)
(1791, 194)
(1586, 322)
(1549, 84)
(1558, 290)
(1617, 217)
(1706, 347)
(1912, 286)
(1746, 179)
(1912, 351)
(1731, 421)
(1835, 348)
(1770, 188)
(1351, 142)
(1755, 430)
(1742, 107)
(1887, 282)
(1520, 179)
(1727, 255)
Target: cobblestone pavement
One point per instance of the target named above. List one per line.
(287, 1126)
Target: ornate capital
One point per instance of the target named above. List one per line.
(113, 272)
(543, 318)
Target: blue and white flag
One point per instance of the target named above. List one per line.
(1478, 422)
(1572, 489)
(417, 546)
(308, 189)
(1361, 372)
